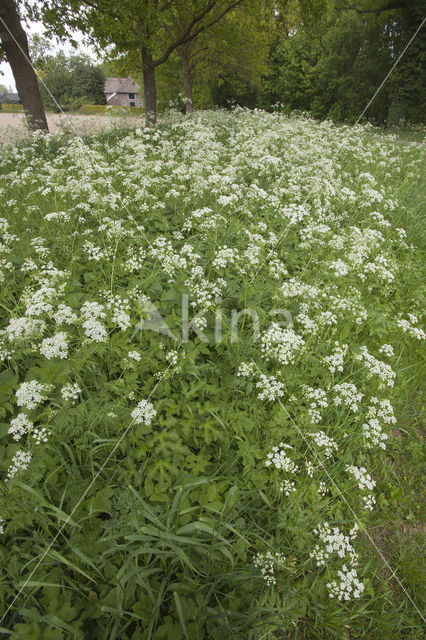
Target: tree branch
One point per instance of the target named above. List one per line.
(200, 59)
(189, 35)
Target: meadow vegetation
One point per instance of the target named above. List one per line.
(211, 353)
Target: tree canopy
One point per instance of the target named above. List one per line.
(68, 80)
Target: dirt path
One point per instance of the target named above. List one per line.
(13, 126)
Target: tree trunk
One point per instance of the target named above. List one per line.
(187, 78)
(15, 45)
(149, 88)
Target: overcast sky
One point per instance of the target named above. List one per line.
(6, 77)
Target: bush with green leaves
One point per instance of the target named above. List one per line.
(209, 341)
(68, 82)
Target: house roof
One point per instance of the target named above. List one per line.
(121, 85)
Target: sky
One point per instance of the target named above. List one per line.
(32, 28)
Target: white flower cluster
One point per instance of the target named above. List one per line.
(61, 216)
(377, 367)
(387, 350)
(327, 318)
(2, 521)
(270, 388)
(295, 213)
(40, 301)
(348, 587)
(267, 563)
(281, 344)
(70, 391)
(319, 401)
(93, 252)
(203, 291)
(172, 357)
(295, 287)
(143, 413)
(134, 355)
(65, 315)
(407, 327)
(322, 489)
(30, 394)
(369, 501)
(23, 328)
(40, 435)
(287, 487)
(277, 269)
(20, 462)
(196, 215)
(310, 468)
(279, 459)
(373, 433)
(350, 304)
(19, 426)
(113, 229)
(379, 411)
(334, 542)
(323, 440)
(309, 325)
(246, 369)
(162, 249)
(380, 267)
(135, 260)
(225, 256)
(38, 244)
(335, 361)
(365, 481)
(55, 347)
(93, 329)
(203, 219)
(347, 394)
(119, 308)
(339, 268)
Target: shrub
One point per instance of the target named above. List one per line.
(101, 109)
(12, 108)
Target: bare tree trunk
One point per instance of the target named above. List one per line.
(15, 45)
(149, 88)
(187, 78)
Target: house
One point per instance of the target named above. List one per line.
(122, 92)
(9, 98)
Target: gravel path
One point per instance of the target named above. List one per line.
(13, 126)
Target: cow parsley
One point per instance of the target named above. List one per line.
(143, 413)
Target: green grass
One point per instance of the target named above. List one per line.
(131, 527)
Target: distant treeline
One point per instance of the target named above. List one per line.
(327, 57)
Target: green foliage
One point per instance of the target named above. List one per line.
(11, 108)
(102, 109)
(69, 81)
(332, 65)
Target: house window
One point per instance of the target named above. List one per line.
(131, 96)
(132, 104)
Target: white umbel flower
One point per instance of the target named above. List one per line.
(70, 391)
(19, 426)
(20, 462)
(144, 413)
(30, 394)
(55, 347)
